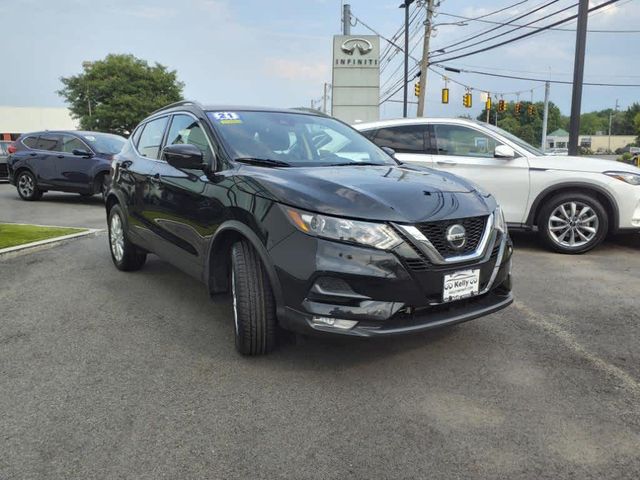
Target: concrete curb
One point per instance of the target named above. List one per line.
(11, 252)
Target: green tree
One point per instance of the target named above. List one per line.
(120, 91)
(523, 125)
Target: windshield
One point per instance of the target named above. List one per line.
(295, 139)
(518, 141)
(105, 142)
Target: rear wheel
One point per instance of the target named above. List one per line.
(125, 255)
(27, 186)
(573, 222)
(254, 309)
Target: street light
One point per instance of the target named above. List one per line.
(87, 66)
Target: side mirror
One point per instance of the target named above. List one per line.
(183, 156)
(81, 152)
(389, 151)
(504, 151)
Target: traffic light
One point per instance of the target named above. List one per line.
(488, 103)
(467, 100)
(518, 108)
(416, 89)
(445, 95)
(531, 109)
(501, 106)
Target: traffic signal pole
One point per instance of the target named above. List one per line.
(405, 91)
(578, 76)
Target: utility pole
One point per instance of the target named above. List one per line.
(424, 67)
(610, 121)
(324, 97)
(545, 116)
(346, 19)
(87, 66)
(578, 76)
(405, 92)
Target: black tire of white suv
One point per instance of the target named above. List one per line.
(254, 310)
(573, 222)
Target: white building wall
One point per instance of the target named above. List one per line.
(28, 119)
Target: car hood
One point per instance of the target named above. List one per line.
(403, 193)
(580, 164)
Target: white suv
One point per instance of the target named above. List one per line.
(574, 202)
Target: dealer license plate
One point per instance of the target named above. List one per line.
(462, 284)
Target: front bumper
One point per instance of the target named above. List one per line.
(386, 293)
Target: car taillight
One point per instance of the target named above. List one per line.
(12, 148)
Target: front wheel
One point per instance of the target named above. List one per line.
(573, 223)
(125, 255)
(27, 186)
(254, 309)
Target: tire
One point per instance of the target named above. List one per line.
(101, 184)
(125, 255)
(573, 223)
(27, 186)
(254, 309)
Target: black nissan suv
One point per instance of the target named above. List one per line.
(311, 227)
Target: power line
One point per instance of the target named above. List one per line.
(475, 35)
(492, 22)
(541, 29)
(515, 77)
(509, 31)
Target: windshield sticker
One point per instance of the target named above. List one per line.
(226, 118)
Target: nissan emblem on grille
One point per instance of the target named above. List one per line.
(456, 236)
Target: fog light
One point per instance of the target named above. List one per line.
(335, 322)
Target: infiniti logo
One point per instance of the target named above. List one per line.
(364, 46)
(456, 235)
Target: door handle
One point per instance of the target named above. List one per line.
(126, 164)
(33, 154)
(60, 156)
(446, 162)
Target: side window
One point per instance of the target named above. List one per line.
(370, 134)
(151, 138)
(403, 139)
(136, 135)
(31, 142)
(69, 144)
(463, 141)
(185, 130)
(48, 141)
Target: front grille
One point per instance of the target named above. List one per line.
(4, 171)
(436, 233)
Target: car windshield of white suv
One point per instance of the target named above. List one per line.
(294, 139)
(512, 138)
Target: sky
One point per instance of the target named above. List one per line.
(278, 52)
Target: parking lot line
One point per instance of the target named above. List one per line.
(544, 321)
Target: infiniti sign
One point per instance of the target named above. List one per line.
(363, 46)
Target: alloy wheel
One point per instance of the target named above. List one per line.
(116, 238)
(26, 185)
(573, 224)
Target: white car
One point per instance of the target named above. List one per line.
(573, 202)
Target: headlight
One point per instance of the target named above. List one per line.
(376, 235)
(499, 222)
(631, 178)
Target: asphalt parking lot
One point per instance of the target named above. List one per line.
(105, 374)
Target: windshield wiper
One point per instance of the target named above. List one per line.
(350, 164)
(262, 161)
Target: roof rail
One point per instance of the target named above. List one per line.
(177, 104)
